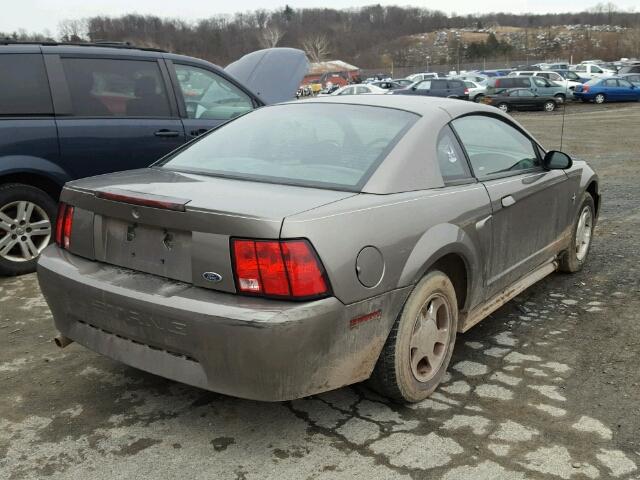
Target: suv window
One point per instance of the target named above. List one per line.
(455, 84)
(208, 95)
(453, 164)
(24, 88)
(438, 85)
(101, 87)
(424, 85)
(581, 68)
(540, 82)
(493, 146)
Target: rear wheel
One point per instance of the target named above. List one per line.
(575, 257)
(600, 98)
(504, 107)
(418, 350)
(560, 97)
(478, 98)
(26, 218)
(549, 106)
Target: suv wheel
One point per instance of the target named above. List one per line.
(27, 215)
(417, 352)
(600, 98)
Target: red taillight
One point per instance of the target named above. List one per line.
(497, 84)
(286, 269)
(466, 91)
(585, 88)
(64, 224)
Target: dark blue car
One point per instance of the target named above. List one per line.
(68, 112)
(608, 89)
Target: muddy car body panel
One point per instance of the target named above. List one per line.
(157, 288)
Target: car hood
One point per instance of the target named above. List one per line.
(273, 74)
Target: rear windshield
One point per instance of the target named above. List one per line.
(309, 144)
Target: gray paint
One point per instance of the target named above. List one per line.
(405, 212)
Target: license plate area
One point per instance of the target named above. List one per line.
(150, 249)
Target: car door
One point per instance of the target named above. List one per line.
(524, 99)
(541, 86)
(627, 91)
(529, 204)
(206, 98)
(439, 88)
(422, 88)
(112, 112)
(611, 89)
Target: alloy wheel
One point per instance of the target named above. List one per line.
(25, 230)
(504, 107)
(583, 233)
(430, 338)
(599, 98)
(549, 106)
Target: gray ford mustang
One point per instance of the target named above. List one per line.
(314, 244)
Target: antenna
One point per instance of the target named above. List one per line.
(564, 109)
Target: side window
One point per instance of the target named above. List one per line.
(624, 83)
(581, 68)
(439, 85)
(115, 88)
(494, 146)
(209, 96)
(610, 83)
(424, 85)
(539, 82)
(595, 69)
(24, 88)
(453, 164)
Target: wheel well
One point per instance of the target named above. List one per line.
(39, 181)
(454, 267)
(593, 190)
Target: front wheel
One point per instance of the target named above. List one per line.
(417, 352)
(26, 218)
(599, 98)
(576, 255)
(549, 106)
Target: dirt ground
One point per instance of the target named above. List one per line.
(547, 387)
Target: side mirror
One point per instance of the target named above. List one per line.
(555, 160)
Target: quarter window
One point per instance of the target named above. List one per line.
(24, 89)
(102, 87)
(495, 147)
(209, 96)
(453, 164)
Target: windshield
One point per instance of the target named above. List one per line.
(309, 144)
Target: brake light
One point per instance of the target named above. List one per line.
(283, 269)
(466, 91)
(497, 84)
(64, 224)
(585, 88)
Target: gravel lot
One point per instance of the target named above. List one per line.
(548, 387)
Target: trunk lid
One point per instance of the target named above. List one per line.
(178, 225)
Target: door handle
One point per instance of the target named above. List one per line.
(508, 201)
(166, 133)
(199, 131)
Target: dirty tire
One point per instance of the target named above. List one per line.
(16, 192)
(570, 261)
(393, 375)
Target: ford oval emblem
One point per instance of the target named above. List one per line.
(212, 277)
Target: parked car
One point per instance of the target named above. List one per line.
(476, 90)
(634, 78)
(538, 85)
(416, 77)
(388, 85)
(571, 75)
(437, 88)
(591, 70)
(554, 77)
(474, 77)
(521, 99)
(69, 112)
(402, 81)
(310, 245)
(611, 89)
(359, 89)
(633, 68)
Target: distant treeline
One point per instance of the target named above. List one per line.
(361, 36)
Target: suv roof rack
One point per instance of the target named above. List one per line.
(99, 43)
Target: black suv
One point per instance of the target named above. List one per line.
(72, 111)
(437, 88)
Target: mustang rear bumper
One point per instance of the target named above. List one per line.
(246, 347)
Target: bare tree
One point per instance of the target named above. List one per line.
(270, 36)
(316, 47)
(73, 30)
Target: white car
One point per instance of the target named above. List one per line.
(554, 77)
(418, 77)
(591, 70)
(474, 77)
(476, 90)
(359, 89)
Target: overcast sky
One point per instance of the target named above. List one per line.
(39, 15)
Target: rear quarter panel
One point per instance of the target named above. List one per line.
(411, 230)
